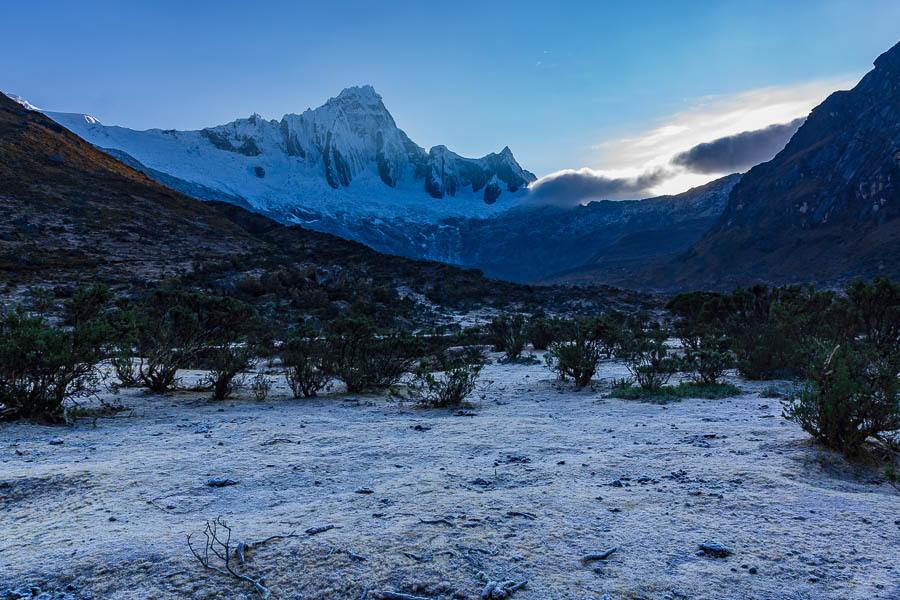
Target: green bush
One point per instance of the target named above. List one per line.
(669, 393)
(260, 385)
(541, 332)
(87, 304)
(450, 387)
(853, 395)
(706, 357)
(173, 329)
(509, 335)
(610, 332)
(42, 366)
(649, 360)
(364, 358)
(227, 364)
(303, 356)
(576, 359)
(770, 329)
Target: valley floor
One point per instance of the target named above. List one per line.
(539, 477)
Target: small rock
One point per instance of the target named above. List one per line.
(56, 441)
(221, 482)
(364, 491)
(713, 550)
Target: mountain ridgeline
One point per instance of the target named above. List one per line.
(350, 144)
(824, 210)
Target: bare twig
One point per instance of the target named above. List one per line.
(601, 556)
(219, 545)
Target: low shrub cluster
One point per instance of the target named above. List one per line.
(41, 366)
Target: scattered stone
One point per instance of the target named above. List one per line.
(495, 590)
(317, 530)
(363, 491)
(221, 482)
(56, 441)
(713, 550)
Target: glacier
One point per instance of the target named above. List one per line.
(345, 160)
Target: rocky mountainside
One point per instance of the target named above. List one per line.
(71, 214)
(345, 168)
(529, 243)
(824, 210)
(347, 157)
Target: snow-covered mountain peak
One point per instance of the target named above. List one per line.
(346, 156)
(362, 92)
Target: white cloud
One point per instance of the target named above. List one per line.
(708, 119)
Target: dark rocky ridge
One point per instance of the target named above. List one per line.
(823, 211)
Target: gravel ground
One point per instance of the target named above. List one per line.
(537, 478)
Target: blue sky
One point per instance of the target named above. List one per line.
(564, 84)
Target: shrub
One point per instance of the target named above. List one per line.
(124, 366)
(770, 329)
(364, 358)
(649, 360)
(42, 366)
(577, 359)
(854, 394)
(610, 333)
(509, 335)
(87, 304)
(706, 357)
(451, 387)
(303, 358)
(669, 393)
(541, 332)
(173, 329)
(227, 363)
(260, 386)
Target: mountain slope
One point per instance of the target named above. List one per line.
(826, 208)
(71, 214)
(347, 157)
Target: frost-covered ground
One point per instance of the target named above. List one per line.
(539, 477)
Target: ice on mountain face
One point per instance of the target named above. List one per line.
(347, 156)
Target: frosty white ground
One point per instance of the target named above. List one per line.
(813, 526)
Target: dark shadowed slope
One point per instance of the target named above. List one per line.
(823, 211)
(825, 208)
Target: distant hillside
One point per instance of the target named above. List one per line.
(824, 210)
(71, 214)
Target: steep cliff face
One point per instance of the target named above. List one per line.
(825, 209)
(346, 156)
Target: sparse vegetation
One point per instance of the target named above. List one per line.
(363, 357)
(669, 393)
(576, 359)
(303, 358)
(42, 366)
(649, 359)
(451, 386)
(509, 335)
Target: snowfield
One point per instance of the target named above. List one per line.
(347, 157)
(526, 484)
